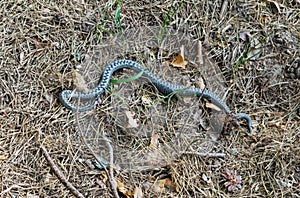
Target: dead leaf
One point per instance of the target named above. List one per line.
(122, 189)
(154, 141)
(138, 193)
(179, 59)
(79, 82)
(163, 185)
(132, 123)
(212, 106)
(179, 62)
(104, 177)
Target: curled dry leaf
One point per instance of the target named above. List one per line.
(179, 59)
(179, 62)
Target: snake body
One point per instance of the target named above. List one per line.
(163, 86)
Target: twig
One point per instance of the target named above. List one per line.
(111, 170)
(199, 53)
(110, 174)
(60, 175)
(204, 154)
(9, 189)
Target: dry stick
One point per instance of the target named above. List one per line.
(111, 162)
(9, 189)
(110, 174)
(200, 53)
(204, 154)
(60, 175)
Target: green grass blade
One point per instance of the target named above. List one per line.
(117, 18)
(124, 80)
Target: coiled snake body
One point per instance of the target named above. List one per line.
(163, 86)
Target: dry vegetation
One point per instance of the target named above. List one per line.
(42, 42)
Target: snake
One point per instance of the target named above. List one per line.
(163, 86)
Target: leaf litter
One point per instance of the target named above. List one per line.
(27, 120)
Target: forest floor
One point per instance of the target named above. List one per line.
(246, 52)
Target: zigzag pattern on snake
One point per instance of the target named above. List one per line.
(163, 86)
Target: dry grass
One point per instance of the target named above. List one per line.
(40, 46)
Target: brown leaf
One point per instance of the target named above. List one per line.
(165, 184)
(179, 59)
(104, 178)
(122, 189)
(170, 185)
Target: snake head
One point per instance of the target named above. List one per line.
(248, 119)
